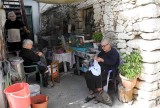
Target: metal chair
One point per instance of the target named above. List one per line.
(33, 73)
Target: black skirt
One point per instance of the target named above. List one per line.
(93, 82)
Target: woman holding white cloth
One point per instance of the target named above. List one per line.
(108, 59)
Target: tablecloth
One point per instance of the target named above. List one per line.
(65, 57)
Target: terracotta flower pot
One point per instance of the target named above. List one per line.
(127, 83)
(39, 101)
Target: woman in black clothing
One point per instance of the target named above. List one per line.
(13, 26)
(31, 58)
(108, 59)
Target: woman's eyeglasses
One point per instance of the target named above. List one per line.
(104, 45)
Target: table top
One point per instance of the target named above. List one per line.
(65, 57)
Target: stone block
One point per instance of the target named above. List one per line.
(149, 78)
(147, 11)
(2, 18)
(125, 36)
(106, 19)
(150, 69)
(120, 22)
(120, 28)
(129, 28)
(141, 103)
(150, 36)
(145, 95)
(147, 86)
(107, 9)
(148, 25)
(121, 45)
(125, 1)
(96, 6)
(144, 44)
(122, 50)
(150, 57)
(142, 2)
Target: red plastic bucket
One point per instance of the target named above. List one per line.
(18, 95)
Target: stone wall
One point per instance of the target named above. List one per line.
(134, 24)
(80, 14)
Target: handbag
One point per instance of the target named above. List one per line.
(104, 98)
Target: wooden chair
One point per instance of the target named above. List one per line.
(55, 77)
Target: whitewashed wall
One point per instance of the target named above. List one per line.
(35, 14)
(37, 8)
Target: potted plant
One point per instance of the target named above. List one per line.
(97, 37)
(130, 69)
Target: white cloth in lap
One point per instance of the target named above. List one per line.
(95, 69)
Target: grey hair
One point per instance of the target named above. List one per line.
(11, 13)
(106, 41)
(27, 42)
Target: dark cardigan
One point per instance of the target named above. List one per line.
(29, 56)
(111, 60)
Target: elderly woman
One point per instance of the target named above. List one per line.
(108, 59)
(31, 58)
(13, 26)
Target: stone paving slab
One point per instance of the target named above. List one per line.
(71, 92)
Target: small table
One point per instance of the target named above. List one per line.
(65, 57)
(83, 55)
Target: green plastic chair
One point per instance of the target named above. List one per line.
(33, 73)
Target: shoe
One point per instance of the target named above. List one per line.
(49, 86)
(87, 99)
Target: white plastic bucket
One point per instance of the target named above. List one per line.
(34, 89)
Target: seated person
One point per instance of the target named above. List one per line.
(31, 58)
(108, 59)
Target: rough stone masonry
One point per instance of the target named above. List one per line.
(134, 24)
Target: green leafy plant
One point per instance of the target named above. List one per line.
(97, 36)
(132, 66)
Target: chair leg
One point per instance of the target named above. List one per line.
(115, 86)
(52, 79)
(41, 79)
(26, 78)
(106, 88)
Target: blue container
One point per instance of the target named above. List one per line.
(80, 49)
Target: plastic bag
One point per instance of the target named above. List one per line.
(10, 72)
(104, 98)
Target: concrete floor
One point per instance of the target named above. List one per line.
(71, 92)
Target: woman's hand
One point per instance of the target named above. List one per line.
(39, 53)
(99, 59)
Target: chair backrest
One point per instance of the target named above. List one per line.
(55, 64)
(44, 50)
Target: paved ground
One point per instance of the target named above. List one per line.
(71, 92)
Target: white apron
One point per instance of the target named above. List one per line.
(14, 35)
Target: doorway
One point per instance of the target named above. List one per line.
(28, 10)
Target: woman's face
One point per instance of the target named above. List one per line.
(105, 47)
(12, 17)
(29, 46)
